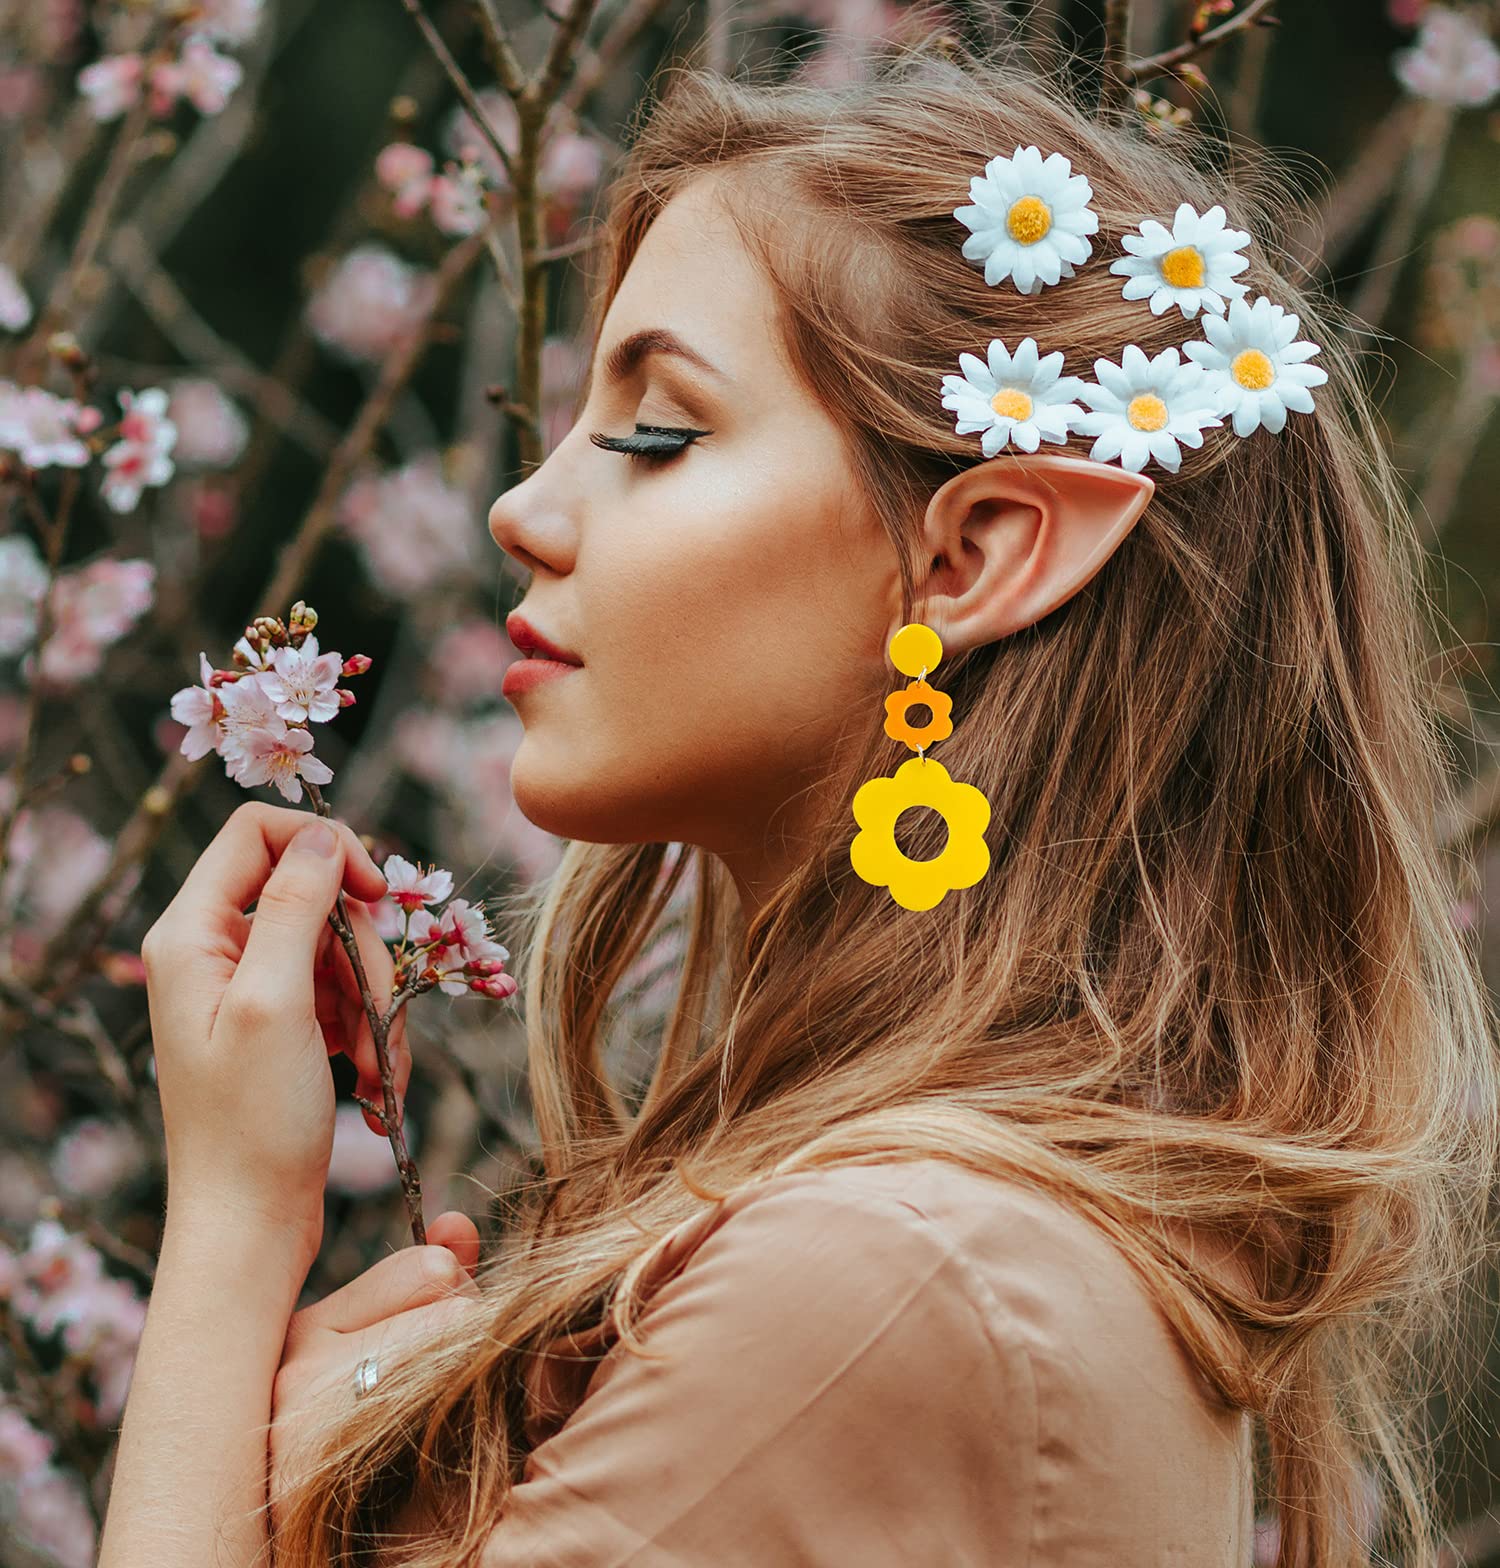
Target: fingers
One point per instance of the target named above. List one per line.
(290, 915)
(235, 866)
(409, 1278)
(459, 1234)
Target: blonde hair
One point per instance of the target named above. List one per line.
(1212, 976)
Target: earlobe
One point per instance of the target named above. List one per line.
(1086, 508)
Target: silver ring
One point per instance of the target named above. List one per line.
(365, 1375)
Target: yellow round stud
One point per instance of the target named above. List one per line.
(916, 648)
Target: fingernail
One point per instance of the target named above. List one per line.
(319, 838)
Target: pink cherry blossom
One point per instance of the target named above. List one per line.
(410, 888)
(388, 917)
(93, 607)
(406, 171)
(468, 662)
(301, 683)
(106, 597)
(414, 527)
(229, 22)
(52, 1514)
(1453, 60)
(22, 1447)
(456, 937)
(15, 307)
(463, 139)
(201, 709)
(112, 84)
(248, 710)
(456, 199)
(283, 760)
(140, 457)
(211, 430)
(23, 581)
(55, 858)
(370, 301)
(571, 166)
(95, 1156)
(41, 429)
(200, 74)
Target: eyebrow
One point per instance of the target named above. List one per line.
(627, 356)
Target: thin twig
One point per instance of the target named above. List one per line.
(508, 68)
(390, 1115)
(461, 84)
(1170, 59)
(1114, 80)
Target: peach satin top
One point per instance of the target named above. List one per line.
(904, 1365)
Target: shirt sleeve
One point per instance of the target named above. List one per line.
(833, 1391)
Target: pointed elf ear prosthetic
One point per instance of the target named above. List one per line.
(1029, 221)
(1073, 513)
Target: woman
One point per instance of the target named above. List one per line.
(1018, 1229)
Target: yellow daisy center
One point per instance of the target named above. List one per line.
(1010, 403)
(1183, 267)
(1253, 370)
(1147, 412)
(1029, 220)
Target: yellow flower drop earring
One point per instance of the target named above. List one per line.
(919, 781)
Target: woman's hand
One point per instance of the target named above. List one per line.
(399, 1301)
(241, 1056)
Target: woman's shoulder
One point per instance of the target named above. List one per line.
(891, 1362)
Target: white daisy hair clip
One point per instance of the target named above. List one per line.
(1141, 409)
(1191, 265)
(1030, 218)
(1019, 399)
(1255, 365)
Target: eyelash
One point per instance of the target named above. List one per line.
(653, 449)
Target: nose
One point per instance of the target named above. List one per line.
(529, 523)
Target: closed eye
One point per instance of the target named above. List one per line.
(650, 443)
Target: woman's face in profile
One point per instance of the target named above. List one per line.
(730, 603)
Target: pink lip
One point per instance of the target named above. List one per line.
(523, 674)
(531, 642)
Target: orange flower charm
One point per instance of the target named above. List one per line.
(938, 727)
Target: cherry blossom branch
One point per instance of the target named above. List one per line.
(64, 955)
(1169, 59)
(389, 1115)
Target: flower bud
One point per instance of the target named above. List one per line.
(347, 699)
(66, 349)
(485, 966)
(497, 986)
(357, 664)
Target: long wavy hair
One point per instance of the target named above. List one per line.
(1213, 974)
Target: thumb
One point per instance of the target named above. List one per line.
(290, 914)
